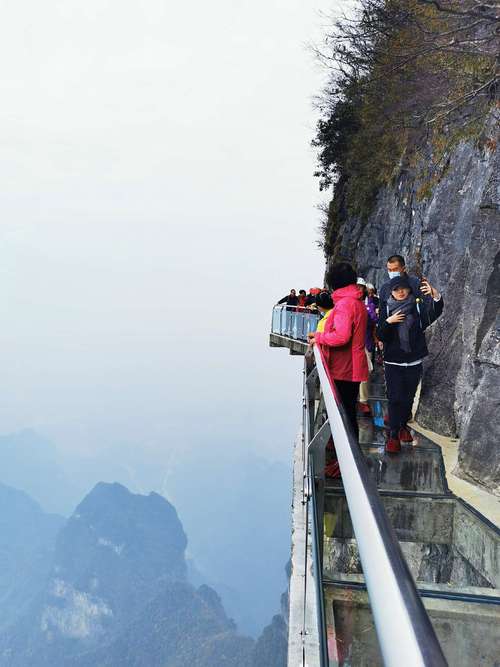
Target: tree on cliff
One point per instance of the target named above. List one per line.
(451, 44)
(400, 71)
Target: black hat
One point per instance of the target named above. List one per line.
(400, 281)
(324, 300)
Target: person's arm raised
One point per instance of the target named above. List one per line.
(427, 289)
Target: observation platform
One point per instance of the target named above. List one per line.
(449, 552)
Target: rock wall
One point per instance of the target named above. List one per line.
(454, 237)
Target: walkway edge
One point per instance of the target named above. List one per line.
(488, 504)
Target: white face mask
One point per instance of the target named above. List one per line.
(394, 274)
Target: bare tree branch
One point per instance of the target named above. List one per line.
(468, 12)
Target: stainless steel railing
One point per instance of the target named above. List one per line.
(405, 633)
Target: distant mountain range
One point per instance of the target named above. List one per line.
(27, 542)
(233, 505)
(109, 587)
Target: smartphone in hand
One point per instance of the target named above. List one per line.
(425, 287)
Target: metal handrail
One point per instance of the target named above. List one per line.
(404, 630)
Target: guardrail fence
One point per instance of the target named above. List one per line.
(294, 321)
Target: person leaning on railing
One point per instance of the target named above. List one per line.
(343, 339)
(290, 299)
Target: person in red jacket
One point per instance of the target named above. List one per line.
(343, 340)
(302, 298)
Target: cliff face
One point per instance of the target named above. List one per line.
(453, 235)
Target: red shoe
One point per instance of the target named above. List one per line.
(393, 446)
(405, 435)
(332, 470)
(365, 409)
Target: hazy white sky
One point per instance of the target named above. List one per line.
(157, 198)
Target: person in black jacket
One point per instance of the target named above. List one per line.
(290, 299)
(401, 329)
(396, 268)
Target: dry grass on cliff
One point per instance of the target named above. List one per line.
(408, 80)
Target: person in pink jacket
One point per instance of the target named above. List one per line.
(343, 340)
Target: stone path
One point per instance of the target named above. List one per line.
(481, 499)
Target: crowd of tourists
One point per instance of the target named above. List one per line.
(360, 327)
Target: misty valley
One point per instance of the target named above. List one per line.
(113, 582)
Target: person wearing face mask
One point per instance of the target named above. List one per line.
(401, 329)
(396, 267)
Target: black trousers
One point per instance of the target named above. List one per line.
(349, 394)
(401, 384)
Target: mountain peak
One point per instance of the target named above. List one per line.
(117, 594)
(126, 535)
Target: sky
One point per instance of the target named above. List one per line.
(157, 198)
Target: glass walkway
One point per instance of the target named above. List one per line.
(388, 566)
